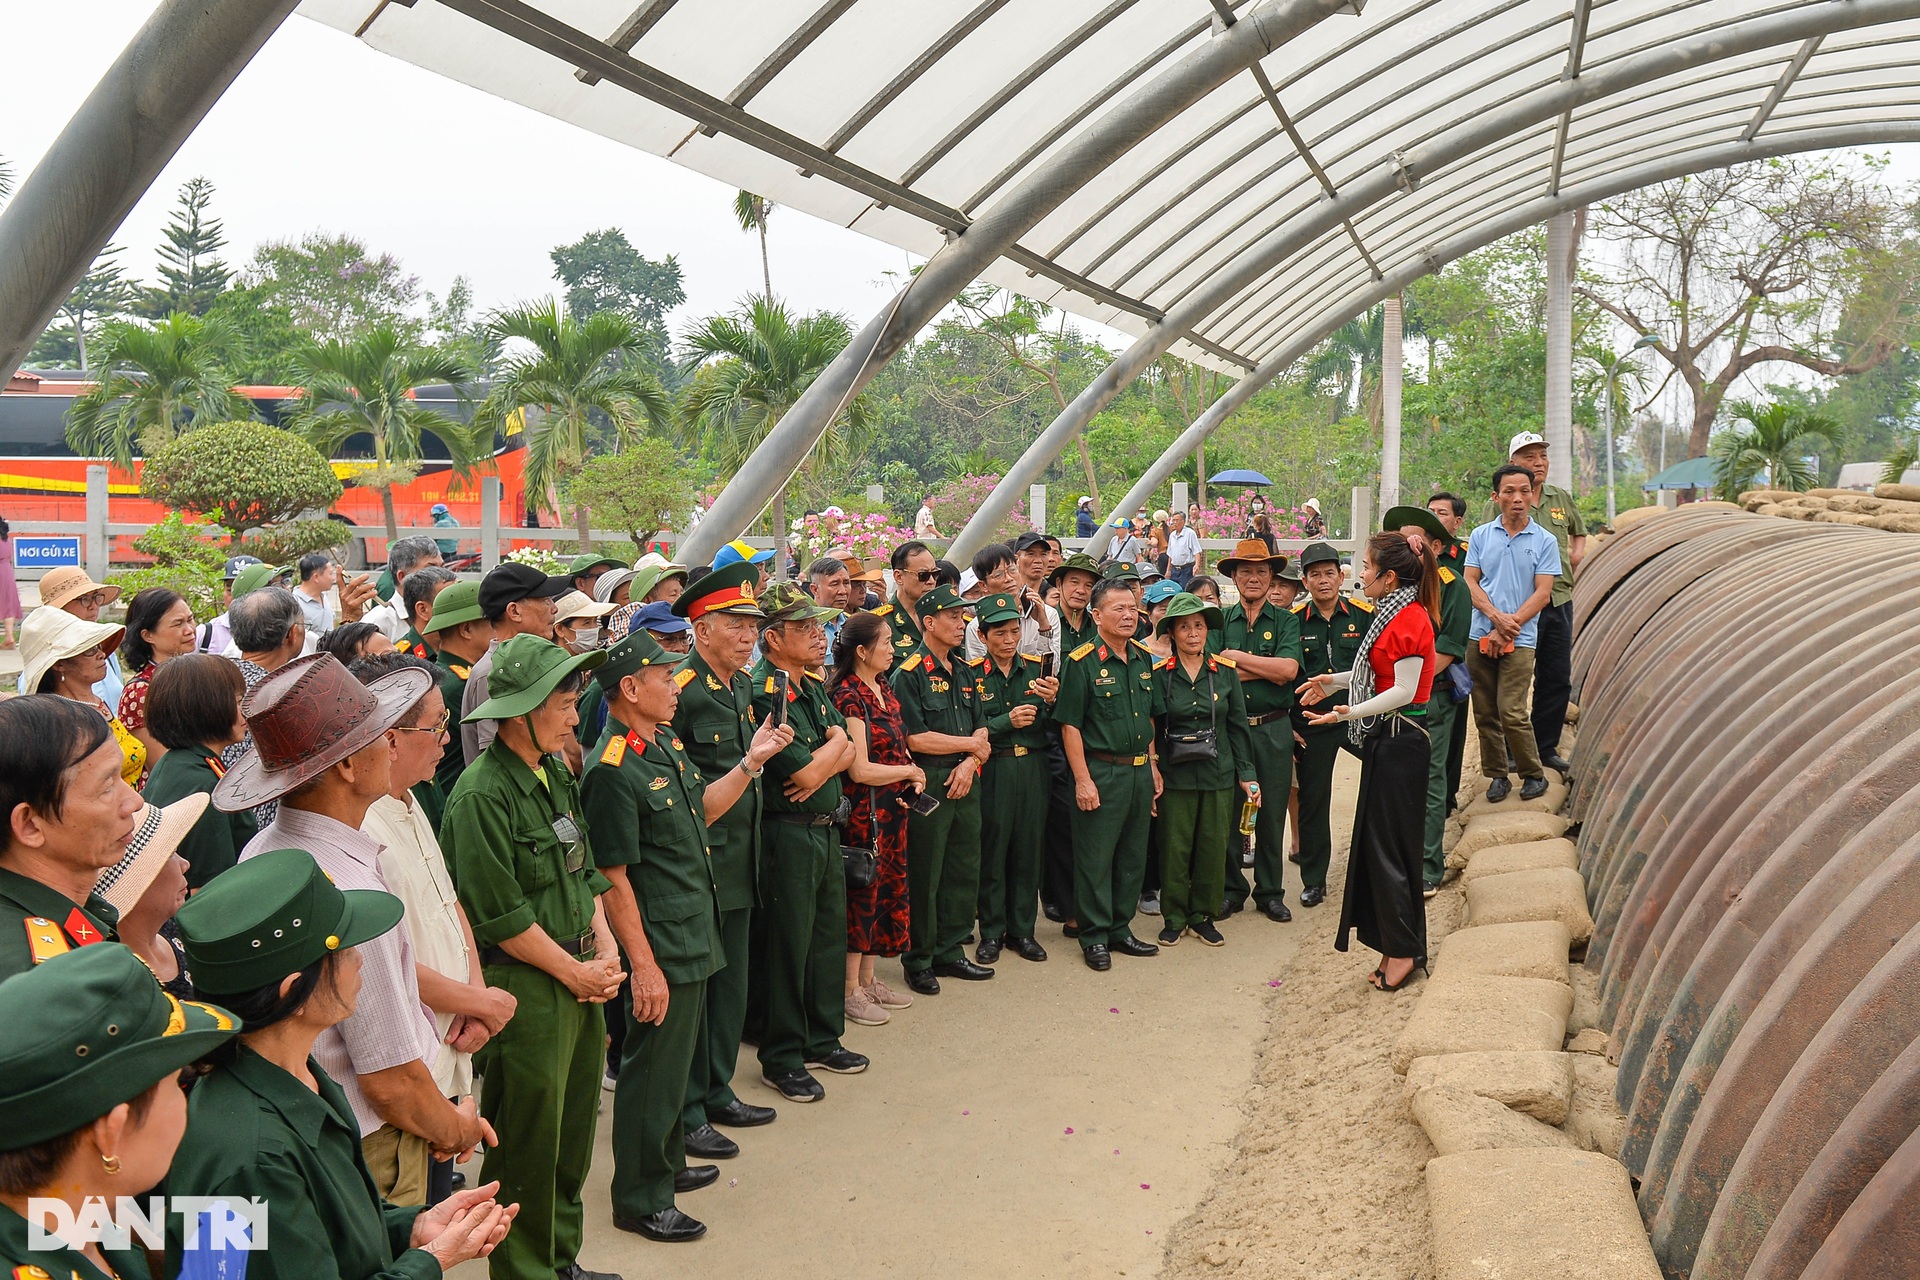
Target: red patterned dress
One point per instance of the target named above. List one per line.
(877, 915)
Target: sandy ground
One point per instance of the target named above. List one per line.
(1207, 1112)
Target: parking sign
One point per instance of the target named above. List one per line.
(47, 553)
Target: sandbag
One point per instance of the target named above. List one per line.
(1594, 1121)
(1508, 828)
(1897, 523)
(1553, 893)
(1767, 495)
(1636, 516)
(1539, 1214)
(1858, 503)
(1459, 1120)
(1474, 1013)
(1538, 1084)
(1898, 492)
(1551, 802)
(1530, 949)
(1842, 517)
(1534, 855)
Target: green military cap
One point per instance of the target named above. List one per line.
(939, 600)
(992, 610)
(1398, 518)
(525, 670)
(1289, 572)
(1185, 605)
(273, 915)
(1318, 553)
(457, 602)
(588, 562)
(89, 1030)
(726, 590)
(636, 651)
(254, 577)
(788, 602)
(645, 580)
(1078, 562)
(1121, 571)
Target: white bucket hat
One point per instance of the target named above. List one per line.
(53, 635)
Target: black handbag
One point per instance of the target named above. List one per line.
(1201, 745)
(862, 862)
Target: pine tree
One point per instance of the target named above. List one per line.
(191, 272)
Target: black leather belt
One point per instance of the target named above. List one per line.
(801, 819)
(1110, 758)
(1254, 722)
(1014, 751)
(938, 762)
(579, 948)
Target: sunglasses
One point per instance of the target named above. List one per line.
(927, 575)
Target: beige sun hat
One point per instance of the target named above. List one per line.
(155, 839)
(54, 635)
(60, 586)
(578, 604)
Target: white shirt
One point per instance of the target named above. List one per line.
(923, 523)
(1033, 640)
(1183, 546)
(386, 616)
(416, 872)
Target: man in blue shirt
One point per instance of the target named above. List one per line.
(1511, 565)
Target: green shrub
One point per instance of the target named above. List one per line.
(246, 475)
(285, 543)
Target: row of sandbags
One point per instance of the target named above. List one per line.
(1894, 508)
(1747, 797)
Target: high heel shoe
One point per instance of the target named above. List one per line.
(1378, 981)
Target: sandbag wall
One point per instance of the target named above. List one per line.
(1747, 799)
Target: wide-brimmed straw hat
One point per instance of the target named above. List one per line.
(59, 587)
(307, 717)
(54, 635)
(158, 834)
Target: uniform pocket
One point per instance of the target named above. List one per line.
(678, 925)
(710, 731)
(537, 855)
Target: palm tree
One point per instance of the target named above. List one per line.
(578, 368)
(752, 211)
(156, 382)
(754, 366)
(364, 385)
(1350, 360)
(1776, 439)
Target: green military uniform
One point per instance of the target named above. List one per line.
(1058, 890)
(213, 843)
(519, 849)
(715, 722)
(256, 1130)
(1444, 715)
(1271, 633)
(414, 645)
(1198, 803)
(1014, 785)
(457, 602)
(943, 847)
(24, 1262)
(904, 625)
(1107, 694)
(1453, 558)
(645, 798)
(38, 923)
(802, 921)
(1328, 644)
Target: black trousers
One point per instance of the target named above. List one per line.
(1552, 676)
(1057, 885)
(1382, 902)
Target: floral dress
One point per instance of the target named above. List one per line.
(877, 914)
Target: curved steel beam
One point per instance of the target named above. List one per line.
(966, 255)
(1407, 169)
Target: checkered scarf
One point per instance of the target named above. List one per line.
(1360, 686)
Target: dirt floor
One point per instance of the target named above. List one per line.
(1204, 1113)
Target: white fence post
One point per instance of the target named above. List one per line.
(1037, 507)
(1182, 496)
(98, 547)
(1362, 521)
(490, 496)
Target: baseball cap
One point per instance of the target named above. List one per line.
(740, 550)
(236, 563)
(1029, 540)
(1523, 440)
(438, 509)
(512, 581)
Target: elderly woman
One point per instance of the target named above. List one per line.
(148, 885)
(66, 657)
(91, 1107)
(352, 641)
(579, 621)
(194, 710)
(159, 629)
(276, 940)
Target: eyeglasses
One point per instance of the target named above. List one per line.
(438, 728)
(927, 575)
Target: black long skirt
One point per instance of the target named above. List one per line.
(1383, 902)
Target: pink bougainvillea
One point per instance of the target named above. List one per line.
(1231, 517)
(870, 536)
(955, 502)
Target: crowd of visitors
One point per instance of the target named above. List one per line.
(323, 897)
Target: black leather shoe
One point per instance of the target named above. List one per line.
(1027, 949)
(1131, 946)
(1071, 930)
(967, 941)
(922, 982)
(574, 1271)
(709, 1143)
(696, 1176)
(1053, 913)
(1533, 788)
(842, 1062)
(1499, 789)
(988, 951)
(795, 1086)
(669, 1226)
(1558, 763)
(1313, 895)
(1276, 911)
(741, 1115)
(1097, 958)
(965, 970)
(1229, 907)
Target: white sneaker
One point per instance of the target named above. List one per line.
(886, 997)
(1150, 904)
(609, 1082)
(861, 1009)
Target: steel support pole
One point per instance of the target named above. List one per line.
(966, 255)
(1607, 413)
(1407, 169)
(155, 94)
(1392, 335)
(1315, 332)
(1559, 407)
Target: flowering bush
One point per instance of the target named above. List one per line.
(955, 502)
(1231, 517)
(540, 558)
(871, 536)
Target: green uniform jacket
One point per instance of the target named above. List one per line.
(1559, 515)
(213, 843)
(715, 722)
(254, 1130)
(1274, 634)
(938, 698)
(19, 1260)
(414, 646)
(38, 923)
(1072, 637)
(1212, 701)
(1456, 605)
(509, 865)
(906, 627)
(1330, 644)
(646, 803)
(999, 694)
(1108, 697)
(811, 713)
(453, 688)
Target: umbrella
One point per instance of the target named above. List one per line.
(1241, 476)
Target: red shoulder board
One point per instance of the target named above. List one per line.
(213, 763)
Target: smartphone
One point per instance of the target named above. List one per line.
(923, 804)
(1046, 666)
(779, 697)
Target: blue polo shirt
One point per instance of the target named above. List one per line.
(1507, 564)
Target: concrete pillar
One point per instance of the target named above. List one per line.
(1182, 496)
(1362, 522)
(1392, 362)
(98, 544)
(490, 498)
(1037, 508)
(1559, 408)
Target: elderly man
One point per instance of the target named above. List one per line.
(1511, 566)
(1076, 576)
(404, 558)
(914, 575)
(422, 588)
(830, 583)
(516, 600)
(1554, 510)
(323, 749)
(1022, 575)
(269, 631)
(1183, 549)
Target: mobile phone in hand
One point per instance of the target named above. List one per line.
(923, 804)
(1046, 666)
(779, 698)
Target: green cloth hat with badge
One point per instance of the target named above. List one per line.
(525, 670)
(637, 651)
(990, 611)
(1078, 562)
(273, 915)
(789, 602)
(1185, 605)
(588, 562)
(457, 602)
(89, 1030)
(254, 577)
(1318, 553)
(939, 600)
(1121, 571)
(1398, 518)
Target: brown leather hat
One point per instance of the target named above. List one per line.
(307, 717)
(1251, 551)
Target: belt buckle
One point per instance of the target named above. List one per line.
(1138, 761)
(1019, 751)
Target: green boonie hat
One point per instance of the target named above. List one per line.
(87, 1031)
(1318, 553)
(273, 915)
(788, 602)
(652, 576)
(1185, 605)
(1289, 573)
(1121, 571)
(457, 602)
(254, 577)
(939, 600)
(1078, 562)
(635, 653)
(1398, 518)
(525, 670)
(589, 562)
(993, 610)
(726, 590)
